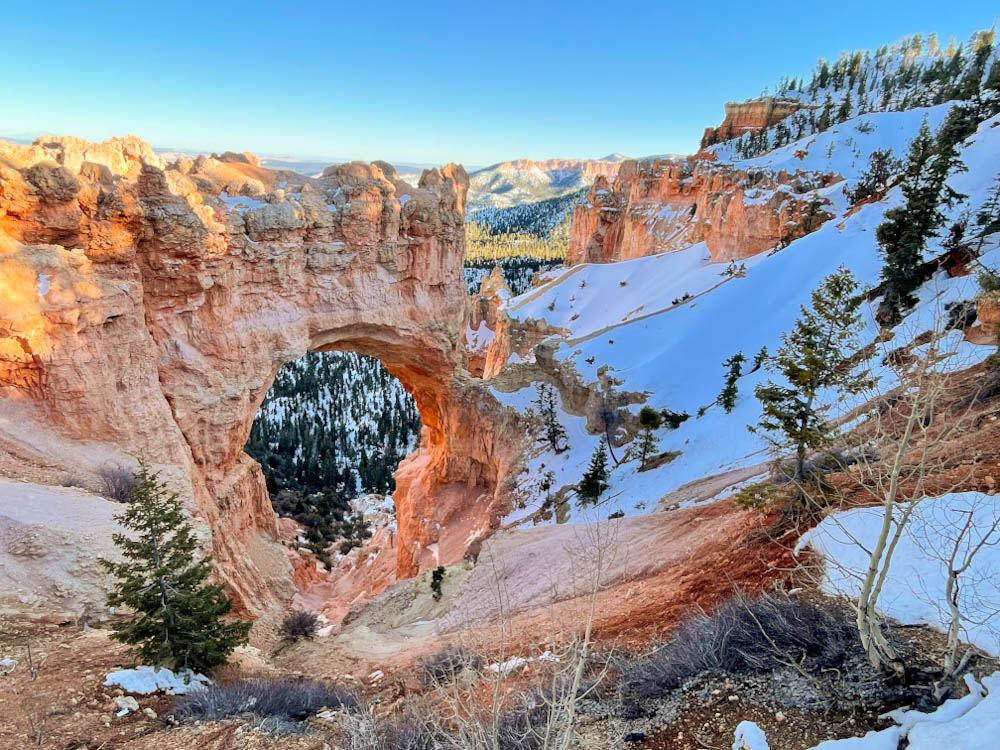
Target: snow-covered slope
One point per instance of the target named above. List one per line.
(525, 181)
(909, 75)
(632, 319)
(971, 722)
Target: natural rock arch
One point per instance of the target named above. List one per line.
(147, 308)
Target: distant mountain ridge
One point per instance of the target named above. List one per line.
(520, 181)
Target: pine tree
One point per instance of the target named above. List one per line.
(650, 420)
(875, 180)
(595, 479)
(553, 432)
(991, 91)
(734, 368)
(176, 615)
(844, 112)
(987, 219)
(546, 484)
(815, 356)
(905, 229)
(826, 116)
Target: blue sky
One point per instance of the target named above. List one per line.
(476, 82)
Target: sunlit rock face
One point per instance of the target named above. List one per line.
(751, 116)
(659, 205)
(145, 309)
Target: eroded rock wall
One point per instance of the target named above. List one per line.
(657, 205)
(145, 309)
(751, 116)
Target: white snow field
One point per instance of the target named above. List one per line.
(672, 350)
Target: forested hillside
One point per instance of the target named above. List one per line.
(912, 73)
(522, 240)
(334, 425)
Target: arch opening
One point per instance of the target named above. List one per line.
(329, 436)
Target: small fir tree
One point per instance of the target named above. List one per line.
(814, 215)
(876, 179)
(437, 580)
(673, 419)
(987, 221)
(815, 356)
(734, 368)
(177, 615)
(905, 230)
(650, 420)
(546, 484)
(595, 479)
(552, 430)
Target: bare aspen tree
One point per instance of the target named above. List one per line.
(955, 534)
(897, 454)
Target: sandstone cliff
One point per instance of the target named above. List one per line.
(750, 116)
(657, 205)
(145, 309)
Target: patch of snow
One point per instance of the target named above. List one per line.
(914, 591)
(749, 736)
(519, 662)
(968, 723)
(145, 680)
(240, 203)
(44, 284)
(507, 667)
(478, 339)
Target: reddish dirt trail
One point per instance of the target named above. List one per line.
(682, 560)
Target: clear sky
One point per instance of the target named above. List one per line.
(476, 82)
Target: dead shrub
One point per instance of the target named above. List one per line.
(446, 664)
(298, 624)
(742, 635)
(278, 702)
(118, 481)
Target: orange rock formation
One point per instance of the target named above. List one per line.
(657, 205)
(750, 116)
(145, 309)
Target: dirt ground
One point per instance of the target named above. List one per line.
(527, 593)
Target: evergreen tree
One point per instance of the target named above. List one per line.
(552, 430)
(734, 368)
(991, 92)
(875, 180)
(815, 356)
(905, 229)
(814, 215)
(650, 420)
(844, 112)
(987, 219)
(176, 615)
(759, 359)
(595, 479)
(826, 116)
(546, 484)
